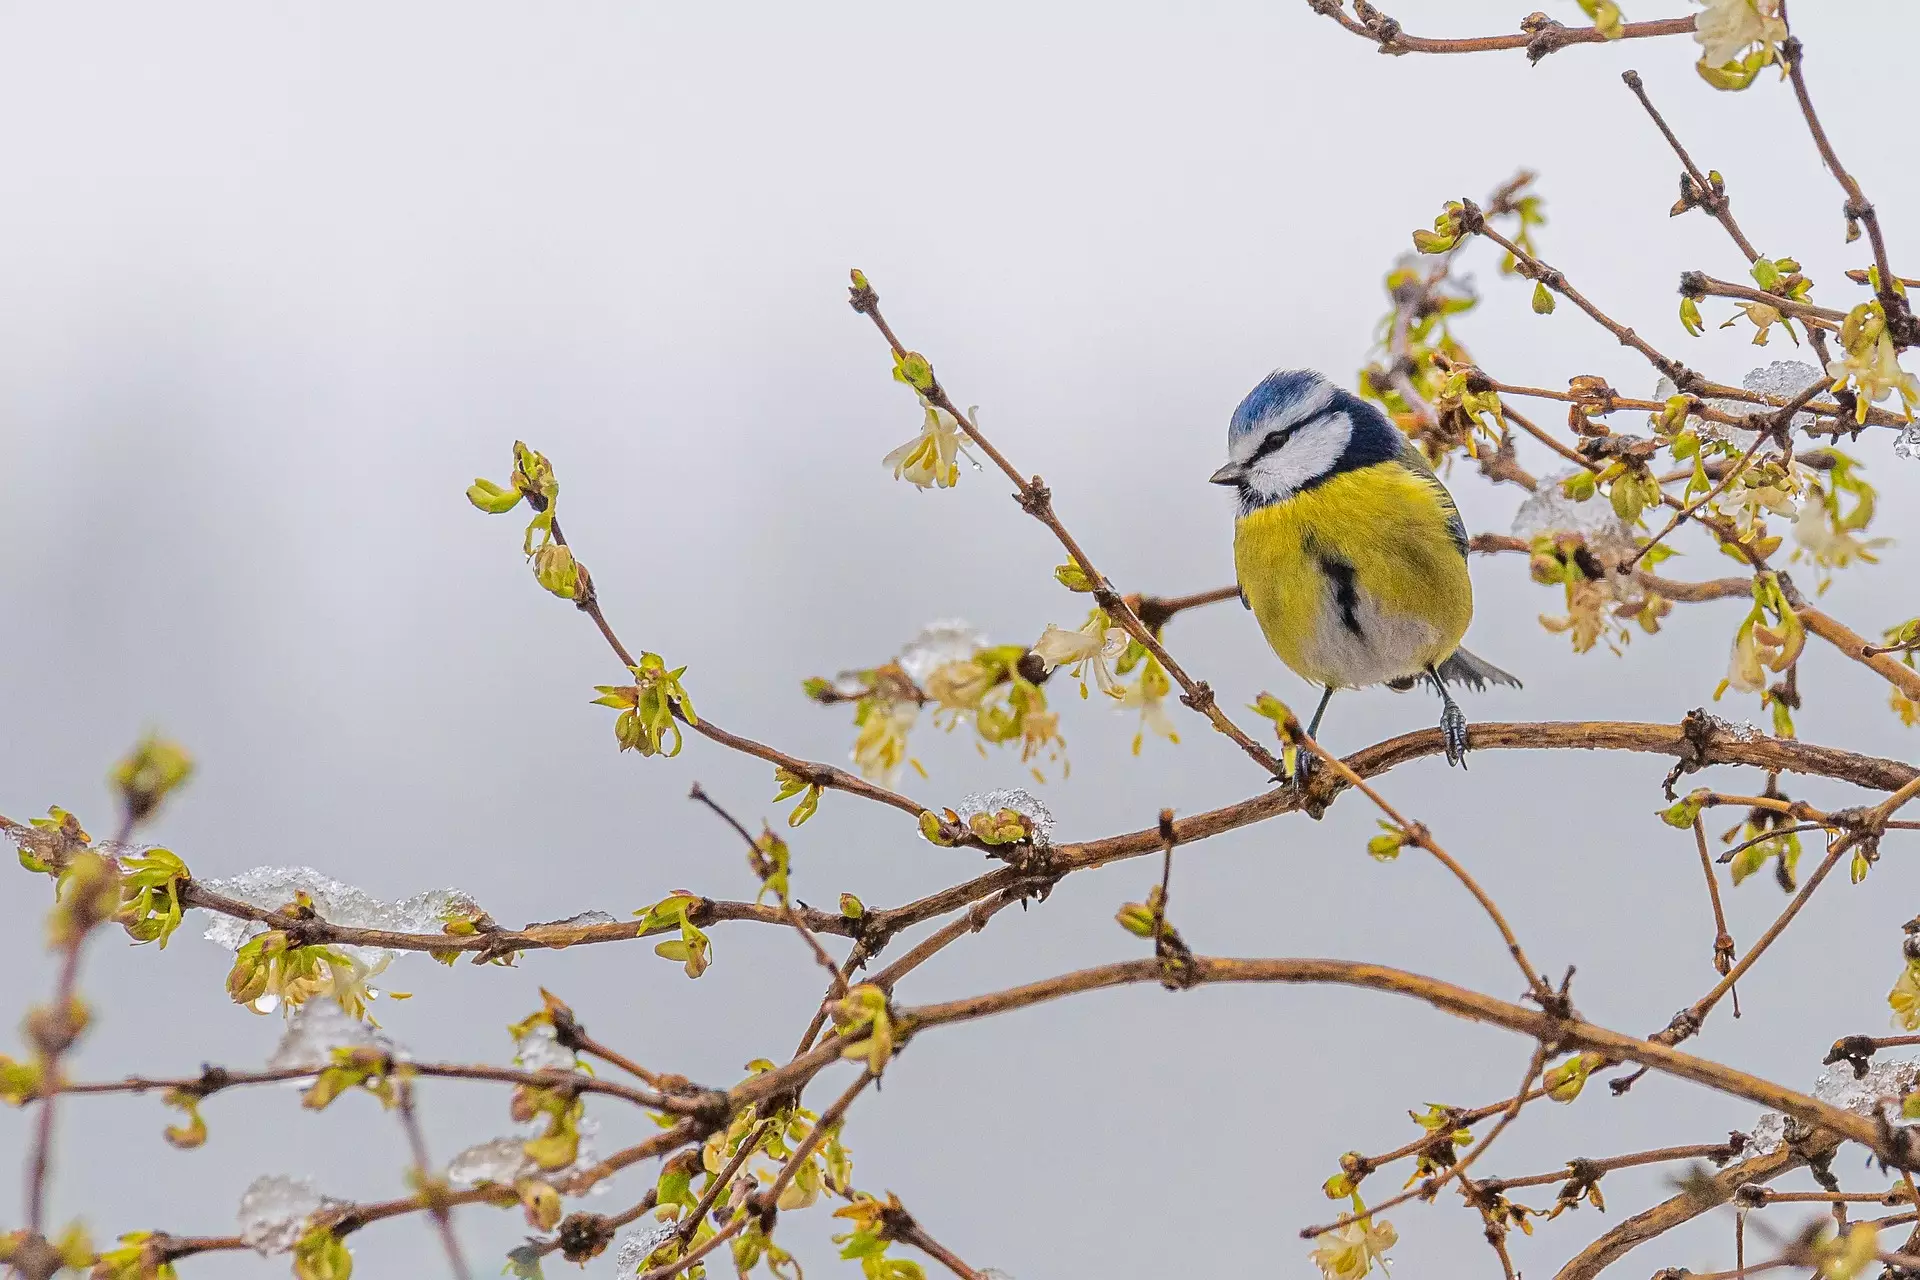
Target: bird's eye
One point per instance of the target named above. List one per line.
(1272, 444)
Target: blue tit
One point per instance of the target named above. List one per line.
(1348, 548)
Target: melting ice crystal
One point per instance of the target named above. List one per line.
(949, 640)
(1885, 1083)
(1019, 800)
(274, 1212)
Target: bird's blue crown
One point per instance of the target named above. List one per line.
(1281, 395)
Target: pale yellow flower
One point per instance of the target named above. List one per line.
(1874, 371)
(1745, 672)
(1908, 709)
(1849, 1255)
(931, 459)
(1904, 1000)
(1148, 695)
(1349, 1253)
(880, 748)
(347, 981)
(1828, 546)
(1094, 646)
(1726, 29)
(958, 686)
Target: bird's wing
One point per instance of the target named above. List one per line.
(1413, 460)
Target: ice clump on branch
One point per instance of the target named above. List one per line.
(939, 643)
(539, 1050)
(274, 1212)
(1550, 511)
(1884, 1085)
(502, 1161)
(1783, 380)
(317, 1028)
(1908, 443)
(584, 918)
(636, 1248)
(272, 888)
(1018, 799)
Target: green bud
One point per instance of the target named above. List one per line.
(1683, 811)
(1072, 577)
(492, 498)
(912, 368)
(934, 829)
(1542, 299)
(554, 568)
(1690, 317)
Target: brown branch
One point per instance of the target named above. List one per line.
(1416, 834)
(822, 775)
(692, 1256)
(1156, 611)
(1706, 412)
(1428, 1188)
(1851, 643)
(1690, 1204)
(1593, 1169)
(1899, 319)
(904, 1227)
(769, 1196)
(1538, 36)
(1568, 1033)
(1707, 194)
(1037, 501)
(1723, 954)
(755, 853)
(212, 1080)
(1747, 293)
(432, 1189)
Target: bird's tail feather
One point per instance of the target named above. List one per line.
(1475, 673)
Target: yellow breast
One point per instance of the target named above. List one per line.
(1357, 580)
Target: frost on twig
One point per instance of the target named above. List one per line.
(636, 1247)
(317, 1028)
(1876, 1094)
(275, 1211)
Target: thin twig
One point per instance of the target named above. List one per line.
(432, 1189)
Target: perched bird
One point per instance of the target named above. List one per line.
(1348, 548)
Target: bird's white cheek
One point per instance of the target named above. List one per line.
(1302, 460)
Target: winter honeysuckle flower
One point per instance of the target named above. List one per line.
(1726, 29)
(1873, 368)
(1904, 1000)
(1350, 1253)
(931, 459)
(1095, 645)
(880, 748)
(1148, 695)
(1745, 672)
(958, 687)
(1829, 545)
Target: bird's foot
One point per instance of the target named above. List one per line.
(1453, 730)
(1304, 764)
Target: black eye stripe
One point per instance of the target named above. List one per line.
(1277, 439)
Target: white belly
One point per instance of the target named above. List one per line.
(1386, 645)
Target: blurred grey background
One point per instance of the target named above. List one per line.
(281, 280)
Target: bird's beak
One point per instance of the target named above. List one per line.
(1232, 473)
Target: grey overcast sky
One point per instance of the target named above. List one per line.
(280, 280)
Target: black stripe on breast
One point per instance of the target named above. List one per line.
(1345, 593)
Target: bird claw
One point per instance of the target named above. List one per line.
(1453, 730)
(1303, 767)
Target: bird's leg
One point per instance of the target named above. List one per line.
(1453, 722)
(1304, 763)
(1313, 729)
